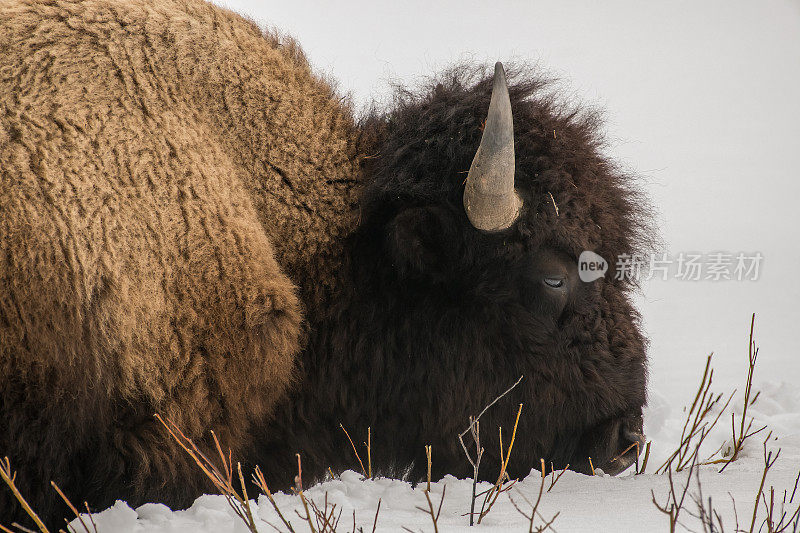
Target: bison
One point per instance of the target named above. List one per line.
(192, 223)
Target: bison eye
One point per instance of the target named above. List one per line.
(555, 283)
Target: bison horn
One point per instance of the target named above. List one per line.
(490, 200)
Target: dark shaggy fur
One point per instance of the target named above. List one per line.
(169, 174)
(436, 319)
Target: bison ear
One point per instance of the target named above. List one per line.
(420, 240)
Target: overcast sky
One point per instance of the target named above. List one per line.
(701, 100)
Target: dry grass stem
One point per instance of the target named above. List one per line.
(698, 423)
(319, 518)
(9, 478)
(547, 524)
(221, 476)
(644, 461)
(298, 489)
(554, 478)
(769, 462)
(374, 522)
(23, 529)
(474, 430)
(75, 511)
(503, 483)
(745, 431)
(554, 202)
(369, 451)
(626, 450)
(89, 512)
(326, 517)
(780, 516)
(674, 503)
(434, 515)
(709, 517)
(783, 519)
(360, 462)
(428, 452)
(260, 482)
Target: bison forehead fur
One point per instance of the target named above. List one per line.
(192, 223)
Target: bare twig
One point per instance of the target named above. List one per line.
(769, 461)
(369, 451)
(709, 517)
(494, 402)
(326, 518)
(221, 476)
(428, 452)
(553, 200)
(374, 522)
(673, 505)
(697, 425)
(363, 470)
(22, 528)
(738, 438)
(260, 482)
(735, 513)
(434, 515)
(89, 512)
(500, 485)
(646, 458)
(779, 520)
(298, 489)
(553, 478)
(75, 510)
(534, 507)
(9, 478)
(474, 430)
(626, 450)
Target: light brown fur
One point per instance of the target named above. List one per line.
(167, 171)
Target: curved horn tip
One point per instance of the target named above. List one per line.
(490, 200)
(500, 77)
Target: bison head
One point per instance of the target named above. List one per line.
(466, 266)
